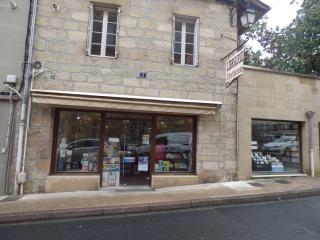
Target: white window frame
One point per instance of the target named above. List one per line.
(104, 31)
(184, 22)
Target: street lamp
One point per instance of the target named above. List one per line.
(248, 13)
(248, 17)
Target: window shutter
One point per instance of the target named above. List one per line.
(172, 45)
(89, 35)
(117, 34)
(196, 44)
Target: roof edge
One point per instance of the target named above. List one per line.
(281, 72)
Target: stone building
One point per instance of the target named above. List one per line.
(133, 93)
(278, 117)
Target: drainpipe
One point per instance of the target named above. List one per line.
(20, 174)
(8, 136)
(7, 148)
(310, 115)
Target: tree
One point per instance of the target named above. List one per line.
(295, 48)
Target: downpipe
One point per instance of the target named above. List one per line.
(8, 136)
(310, 115)
(27, 127)
(20, 177)
(8, 145)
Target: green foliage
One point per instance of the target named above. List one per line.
(295, 48)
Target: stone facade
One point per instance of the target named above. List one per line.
(144, 45)
(265, 94)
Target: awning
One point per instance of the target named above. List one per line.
(100, 101)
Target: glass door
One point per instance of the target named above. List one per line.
(126, 159)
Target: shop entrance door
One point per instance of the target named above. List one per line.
(126, 160)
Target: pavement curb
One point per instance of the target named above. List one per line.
(153, 207)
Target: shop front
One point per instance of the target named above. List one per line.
(125, 149)
(89, 141)
(276, 147)
(277, 136)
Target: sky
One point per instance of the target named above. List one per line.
(281, 13)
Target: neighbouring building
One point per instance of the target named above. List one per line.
(13, 26)
(279, 124)
(132, 93)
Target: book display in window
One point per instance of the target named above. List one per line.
(275, 146)
(174, 161)
(266, 163)
(111, 164)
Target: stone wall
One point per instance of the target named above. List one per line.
(144, 45)
(265, 94)
(39, 147)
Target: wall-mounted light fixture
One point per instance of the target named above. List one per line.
(248, 15)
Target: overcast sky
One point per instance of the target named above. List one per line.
(281, 13)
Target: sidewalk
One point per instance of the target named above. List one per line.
(98, 203)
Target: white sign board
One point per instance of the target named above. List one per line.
(234, 66)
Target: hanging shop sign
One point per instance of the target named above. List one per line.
(234, 66)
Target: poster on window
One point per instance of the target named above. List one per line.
(146, 139)
(111, 175)
(129, 159)
(143, 163)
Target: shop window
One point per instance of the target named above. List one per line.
(185, 41)
(275, 147)
(103, 31)
(78, 142)
(126, 148)
(173, 151)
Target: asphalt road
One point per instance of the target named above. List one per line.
(292, 220)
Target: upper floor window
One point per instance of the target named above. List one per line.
(185, 41)
(103, 31)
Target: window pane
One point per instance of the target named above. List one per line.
(177, 47)
(97, 26)
(110, 51)
(78, 142)
(178, 26)
(111, 39)
(174, 144)
(190, 27)
(96, 37)
(112, 17)
(112, 28)
(189, 48)
(98, 15)
(95, 49)
(275, 146)
(177, 58)
(189, 60)
(177, 36)
(189, 38)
